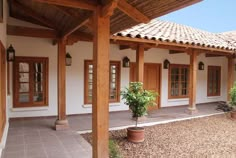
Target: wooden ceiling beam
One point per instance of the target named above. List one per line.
(216, 54)
(123, 47)
(34, 15)
(64, 10)
(76, 27)
(213, 55)
(82, 4)
(175, 52)
(108, 9)
(31, 32)
(132, 12)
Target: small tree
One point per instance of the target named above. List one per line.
(138, 99)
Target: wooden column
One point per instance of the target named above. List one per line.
(100, 108)
(61, 122)
(230, 75)
(140, 63)
(193, 81)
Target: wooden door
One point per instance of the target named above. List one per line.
(151, 79)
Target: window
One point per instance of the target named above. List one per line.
(114, 82)
(30, 81)
(178, 81)
(213, 81)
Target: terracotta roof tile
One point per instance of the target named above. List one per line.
(172, 32)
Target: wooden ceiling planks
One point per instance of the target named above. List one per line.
(65, 14)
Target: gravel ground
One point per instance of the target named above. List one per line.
(213, 136)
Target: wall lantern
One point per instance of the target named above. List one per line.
(10, 54)
(68, 59)
(166, 64)
(200, 66)
(126, 62)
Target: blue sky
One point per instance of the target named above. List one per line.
(210, 15)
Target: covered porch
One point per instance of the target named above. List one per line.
(35, 137)
(94, 24)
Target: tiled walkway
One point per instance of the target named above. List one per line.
(118, 119)
(35, 138)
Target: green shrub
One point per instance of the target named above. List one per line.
(113, 150)
(138, 99)
(233, 96)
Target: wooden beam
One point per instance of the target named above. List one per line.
(213, 55)
(61, 122)
(230, 75)
(123, 47)
(31, 32)
(66, 11)
(132, 12)
(82, 4)
(132, 46)
(140, 63)
(193, 81)
(101, 51)
(34, 15)
(108, 10)
(175, 52)
(76, 27)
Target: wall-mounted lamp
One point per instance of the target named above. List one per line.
(126, 62)
(200, 66)
(68, 59)
(10, 54)
(166, 64)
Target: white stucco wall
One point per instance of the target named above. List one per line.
(80, 51)
(26, 46)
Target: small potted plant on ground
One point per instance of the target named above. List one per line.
(138, 100)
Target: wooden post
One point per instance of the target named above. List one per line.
(101, 51)
(230, 75)
(192, 81)
(61, 123)
(140, 63)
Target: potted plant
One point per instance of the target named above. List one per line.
(138, 100)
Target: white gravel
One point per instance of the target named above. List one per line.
(213, 136)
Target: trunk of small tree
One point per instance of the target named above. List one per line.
(136, 122)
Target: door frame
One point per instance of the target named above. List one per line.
(160, 78)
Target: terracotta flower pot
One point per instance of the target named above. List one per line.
(135, 134)
(233, 115)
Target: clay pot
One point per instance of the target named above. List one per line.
(135, 134)
(233, 115)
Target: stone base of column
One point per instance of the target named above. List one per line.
(191, 111)
(61, 125)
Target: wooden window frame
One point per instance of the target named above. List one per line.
(31, 60)
(219, 81)
(169, 81)
(117, 63)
